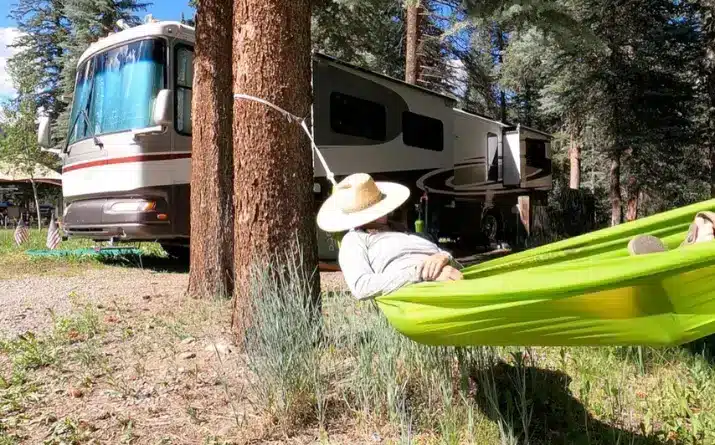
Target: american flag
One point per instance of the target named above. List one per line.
(53, 234)
(21, 232)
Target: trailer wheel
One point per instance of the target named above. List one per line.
(490, 227)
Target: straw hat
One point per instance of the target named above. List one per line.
(358, 200)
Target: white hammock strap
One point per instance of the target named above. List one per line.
(300, 121)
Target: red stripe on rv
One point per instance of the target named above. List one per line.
(127, 159)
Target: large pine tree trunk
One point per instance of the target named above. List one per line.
(413, 39)
(575, 163)
(211, 270)
(614, 191)
(272, 157)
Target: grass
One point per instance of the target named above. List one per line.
(15, 262)
(374, 377)
(151, 370)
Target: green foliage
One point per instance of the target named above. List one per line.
(367, 33)
(43, 27)
(18, 143)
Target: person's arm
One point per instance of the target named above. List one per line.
(361, 279)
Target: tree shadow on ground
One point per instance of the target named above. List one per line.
(154, 263)
(704, 347)
(557, 417)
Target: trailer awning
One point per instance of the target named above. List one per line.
(10, 173)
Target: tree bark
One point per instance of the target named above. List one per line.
(211, 270)
(632, 204)
(413, 39)
(615, 189)
(273, 165)
(502, 93)
(575, 163)
(37, 204)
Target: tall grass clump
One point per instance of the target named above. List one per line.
(388, 379)
(281, 340)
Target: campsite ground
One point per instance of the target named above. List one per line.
(94, 352)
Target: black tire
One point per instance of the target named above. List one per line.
(491, 227)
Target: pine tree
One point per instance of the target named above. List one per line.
(273, 168)
(368, 33)
(43, 28)
(211, 271)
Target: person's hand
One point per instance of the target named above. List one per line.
(449, 273)
(433, 265)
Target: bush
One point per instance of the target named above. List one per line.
(282, 340)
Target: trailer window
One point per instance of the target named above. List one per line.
(535, 150)
(357, 117)
(184, 78)
(422, 131)
(492, 157)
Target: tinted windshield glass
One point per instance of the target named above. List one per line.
(116, 88)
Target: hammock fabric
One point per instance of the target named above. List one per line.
(583, 291)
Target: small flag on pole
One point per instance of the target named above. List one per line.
(53, 234)
(21, 232)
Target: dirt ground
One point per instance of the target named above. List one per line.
(29, 301)
(161, 368)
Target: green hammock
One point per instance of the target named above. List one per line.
(582, 291)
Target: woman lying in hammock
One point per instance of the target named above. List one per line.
(375, 258)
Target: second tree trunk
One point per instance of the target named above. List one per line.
(273, 165)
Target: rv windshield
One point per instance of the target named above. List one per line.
(116, 89)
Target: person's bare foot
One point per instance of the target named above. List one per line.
(702, 229)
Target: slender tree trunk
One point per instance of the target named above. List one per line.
(502, 94)
(37, 204)
(575, 163)
(615, 189)
(273, 165)
(712, 166)
(211, 270)
(413, 40)
(633, 195)
(709, 37)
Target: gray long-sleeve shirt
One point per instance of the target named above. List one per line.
(379, 263)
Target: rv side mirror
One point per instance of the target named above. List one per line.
(43, 132)
(161, 114)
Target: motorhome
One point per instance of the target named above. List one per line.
(127, 160)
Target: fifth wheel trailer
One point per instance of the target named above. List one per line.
(127, 162)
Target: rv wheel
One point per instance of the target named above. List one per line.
(490, 227)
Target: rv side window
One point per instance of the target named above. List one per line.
(357, 117)
(492, 157)
(422, 131)
(535, 150)
(184, 78)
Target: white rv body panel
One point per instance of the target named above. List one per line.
(361, 121)
(512, 159)
(166, 29)
(369, 156)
